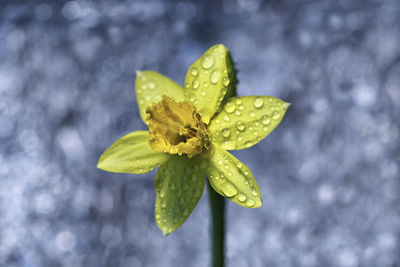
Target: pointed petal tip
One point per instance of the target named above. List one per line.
(286, 105)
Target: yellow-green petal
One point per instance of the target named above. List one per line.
(207, 81)
(179, 185)
(151, 86)
(244, 121)
(131, 154)
(231, 178)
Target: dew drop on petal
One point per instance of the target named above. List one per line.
(229, 189)
(152, 85)
(252, 114)
(240, 126)
(258, 102)
(194, 72)
(265, 120)
(242, 197)
(207, 61)
(276, 116)
(185, 212)
(172, 186)
(225, 132)
(192, 98)
(254, 193)
(229, 107)
(248, 144)
(162, 193)
(195, 84)
(226, 118)
(225, 81)
(250, 202)
(215, 76)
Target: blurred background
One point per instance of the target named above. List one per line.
(329, 173)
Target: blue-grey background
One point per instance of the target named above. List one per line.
(329, 173)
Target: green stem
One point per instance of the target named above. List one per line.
(217, 206)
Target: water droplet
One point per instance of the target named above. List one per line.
(203, 164)
(207, 61)
(238, 101)
(203, 93)
(258, 102)
(147, 98)
(220, 162)
(205, 84)
(226, 166)
(196, 192)
(192, 98)
(276, 116)
(237, 113)
(172, 186)
(193, 177)
(240, 138)
(240, 126)
(179, 192)
(195, 84)
(185, 186)
(226, 118)
(242, 197)
(252, 114)
(255, 133)
(265, 129)
(226, 133)
(158, 216)
(229, 189)
(239, 164)
(248, 144)
(241, 107)
(185, 212)
(215, 76)
(265, 120)
(194, 71)
(250, 202)
(163, 204)
(152, 85)
(225, 81)
(162, 192)
(229, 107)
(196, 167)
(254, 193)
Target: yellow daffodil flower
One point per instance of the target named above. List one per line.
(190, 131)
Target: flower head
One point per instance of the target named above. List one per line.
(190, 131)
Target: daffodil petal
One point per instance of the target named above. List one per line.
(151, 86)
(179, 185)
(231, 178)
(131, 154)
(207, 81)
(244, 121)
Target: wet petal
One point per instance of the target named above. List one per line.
(231, 178)
(131, 154)
(151, 86)
(179, 185)
(207, 81)
(244, 121)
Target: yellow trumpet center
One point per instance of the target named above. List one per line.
(176, 128)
